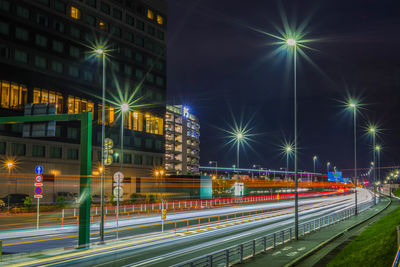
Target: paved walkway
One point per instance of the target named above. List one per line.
(288, 254)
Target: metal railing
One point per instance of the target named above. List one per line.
(238, 253)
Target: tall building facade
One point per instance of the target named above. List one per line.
(182, 141)
(47, 56)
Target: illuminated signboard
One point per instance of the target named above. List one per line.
(334, 176)
(185, 112)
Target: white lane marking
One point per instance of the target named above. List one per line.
(291, 254)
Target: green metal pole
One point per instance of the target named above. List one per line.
(86, 171)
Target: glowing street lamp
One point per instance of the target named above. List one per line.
(9, 165)
(288, 150)
(377, 149)
(327, 166)
(239, 137)
(353, 105)
(216, 166)
(314, 160)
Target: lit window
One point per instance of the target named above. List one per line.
(160, 19)
(154, 124)
(137, 120)
(109, 115)
(78, 105)
(75, 13)
(150, 14)
(13, 95)
(102, 25)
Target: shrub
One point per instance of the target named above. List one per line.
(152, 198)
(61, 202)
(134, 197)
(28, 203)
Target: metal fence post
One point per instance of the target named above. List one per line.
(254, 247)
(265, 243)
(210, 259)
(227, 258)
(283, 236)
(274, 240)
(241, 252)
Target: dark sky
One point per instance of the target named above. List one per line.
(223, 69)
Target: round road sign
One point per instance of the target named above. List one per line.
(118, 177)
(38, 178)
(118, 192)
(38, 190)
(38, 169)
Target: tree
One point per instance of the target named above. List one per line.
(152, 198)
(134, 197)
(61, 202)
(28, 203)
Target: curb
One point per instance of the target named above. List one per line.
(326, 242)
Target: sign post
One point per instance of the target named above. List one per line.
(38, 191)
(163, 215)
(118, 191)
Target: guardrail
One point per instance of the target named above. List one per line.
(238, 253)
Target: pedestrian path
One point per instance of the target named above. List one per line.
(295, 252)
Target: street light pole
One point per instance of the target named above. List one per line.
(354, 106)
(372, 130)
(216, 167)
(327, 166)
(101, 52)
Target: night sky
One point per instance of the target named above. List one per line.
(223, 69)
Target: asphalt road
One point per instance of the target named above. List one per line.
(165, 249)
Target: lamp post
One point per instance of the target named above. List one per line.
(239, 137)
(314, 160)
(377, 148)
(9, 165)
(259, 170)
(101, 52)
(216, 167)
(292, 43)
(327, 166)
(372, 131)
(353, 105)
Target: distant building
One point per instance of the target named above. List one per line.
(182, 141)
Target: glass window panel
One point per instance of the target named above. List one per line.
(160, 19)
(75, 13)
(14, 103)
(150, 14)
(21, 56)
(5, 95)
(71, 104)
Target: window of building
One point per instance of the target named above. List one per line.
(78, 105)
(160, 81)
(109, 115)
(139, 57)
(159, 97)
(103, 26)
(44, 2)
(138, 159)
(149, 62)
(158, 161)
(160, 65)
(48, 96)
(151, 30)
(18, 149)
(149, 45)
(141, 10)
(4, 28)
(139, 41)
(105, 8)
(57, 66)
(42, 20)
(90, 20)
(38, 151)
(160, 51)
(117, 31)
(128, 52)
(75, 32)
(91, 3)
(160, 19)
(73, 71)
(40, 62)
(158, 145)
(72, 133)
(160, 35)
(128, 70)
(2, 148)
(40, 40)
(130, 20)
(74, 51)
(150, 78)
(59, 26)
(5, 5)
(140, 25)
(150, 14)
(149, 94)
(139, 74)
(59, 6)
(21, 34)
(149, 160)
(148, 143)
(117, 13)
(72, 154)
(75, 13)
(4, 51)
(128, 158)
(20, 56)
(88, 76)
(115, 66)
(13, 96)
(55, 152)
(154, 124)
(135, 121)
(129, 36)
(22, 12)
(58, 46)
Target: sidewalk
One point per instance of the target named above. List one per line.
(292, 253)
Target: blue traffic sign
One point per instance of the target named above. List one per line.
(38, 190)
(39, 169)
